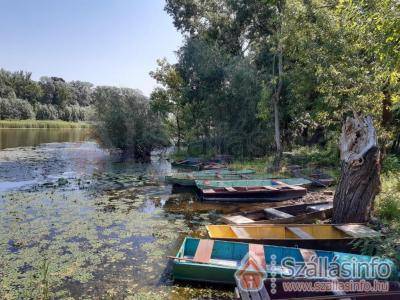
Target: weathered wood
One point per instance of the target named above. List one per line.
(358, 230)
(359, 181)
(277, 213)
(300, 232)
(204, 251)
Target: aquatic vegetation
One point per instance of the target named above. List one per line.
(90, 232)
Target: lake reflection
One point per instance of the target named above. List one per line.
(22, 137)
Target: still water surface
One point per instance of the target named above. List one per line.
(77, 222)
(21, 137)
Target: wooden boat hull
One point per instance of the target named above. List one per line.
(206, 183)
(288, 215)
(315, 236)
(225, 259)
(189, 179)
(252, 196)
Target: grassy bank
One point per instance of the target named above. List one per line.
(42, 124)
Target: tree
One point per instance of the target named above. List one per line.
(167, 100)
(126, 122)
(81, 92)
(359, 181)
(55, 91)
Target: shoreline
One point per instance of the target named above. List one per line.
(42, 124)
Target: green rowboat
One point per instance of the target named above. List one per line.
(217, 261)
(188, 179)
(210, 184)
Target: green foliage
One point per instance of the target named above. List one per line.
(336, 58)
(126, 121)
(15, 109)
(388, 201)
(315, 155)
(52, 97)
(46, 112)
(72, 113)
(391, 163)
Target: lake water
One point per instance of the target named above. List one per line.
(77, 222)
(20, 137)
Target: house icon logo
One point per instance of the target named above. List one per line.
(251, 274)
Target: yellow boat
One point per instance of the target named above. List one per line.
(318, 236)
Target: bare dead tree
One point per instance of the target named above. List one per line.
(359, 181)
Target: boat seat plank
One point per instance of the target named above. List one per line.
(256, 251)
(293, 187)
(241, 232)
(358, 230)
(267, 187)
(300, 233)
(238, 219)
(320, 207)
(204, 250)
(278, 213)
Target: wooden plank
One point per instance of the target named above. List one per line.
(238, 219)
(278, 213)
(293, 187)
(256, 251)
(358, 230)
(208, 191)
(267, 187)
(204, 250)
(240, 232)
(300, 232)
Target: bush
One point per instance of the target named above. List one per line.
(16, 109)
(72, 113)
(126, 122)
(46, 112)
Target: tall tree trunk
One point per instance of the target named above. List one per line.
(360, 171)
(276, 100)
(179, 130)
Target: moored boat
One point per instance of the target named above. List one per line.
(249, 182)
(189, 179)
(318, 236)
(296, 213)
(217, 261)
(197, 164)
(276, 191)
(192, 163)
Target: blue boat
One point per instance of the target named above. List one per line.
(217, 261)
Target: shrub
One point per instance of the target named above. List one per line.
(72, 113)
(126, 122)
(16, 109)
(46, 112)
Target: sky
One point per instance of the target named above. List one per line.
(106, 42)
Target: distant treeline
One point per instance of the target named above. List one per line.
(50, 98)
